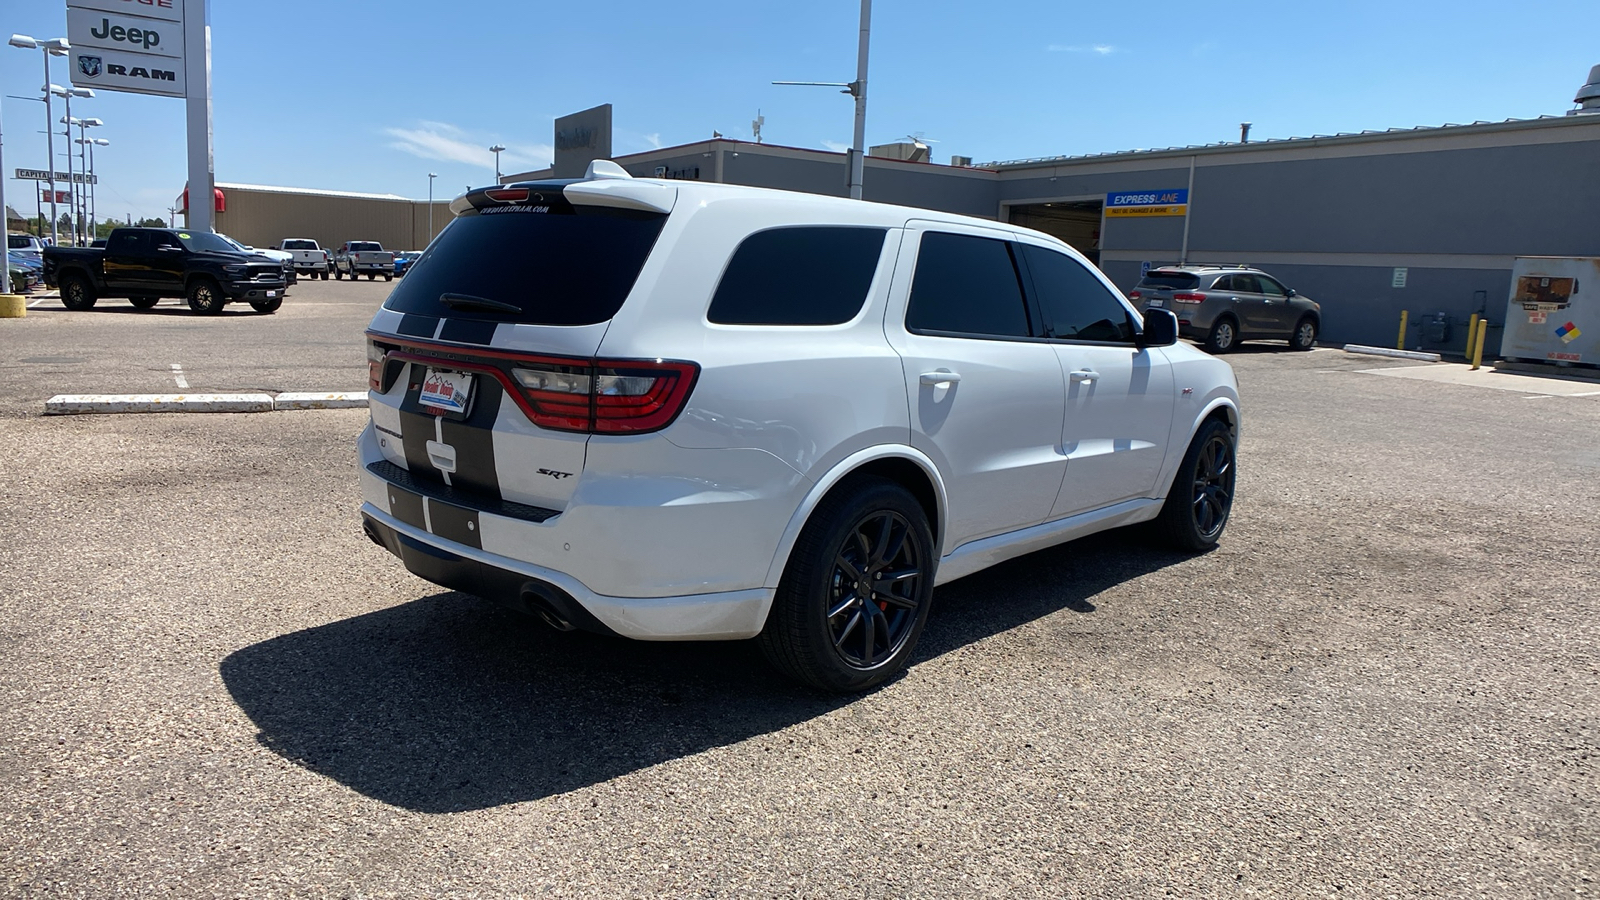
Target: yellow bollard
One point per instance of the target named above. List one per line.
(13, 306)
(1472, 333)
(1401, 343)
(1477, 345)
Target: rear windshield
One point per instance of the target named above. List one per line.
(557, 264)
(19, 241)
(358, 246)
(1175, 280)
(300, 245)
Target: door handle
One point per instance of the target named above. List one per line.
(1084, 375)
(943, 376)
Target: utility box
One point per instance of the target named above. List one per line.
(1553, 314)
(1436, 328)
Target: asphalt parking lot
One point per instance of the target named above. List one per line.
(1385, 682)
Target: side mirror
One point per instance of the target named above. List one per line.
(1290, 291)
(1160, 328)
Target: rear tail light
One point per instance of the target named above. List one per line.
(605, 397)
(1134, 295)
(1189, 297)
(507, 195)
(375, 355)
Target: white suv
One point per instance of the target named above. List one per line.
(680, 411)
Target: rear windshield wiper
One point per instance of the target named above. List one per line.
(481, 304)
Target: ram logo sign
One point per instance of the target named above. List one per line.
(89, 66)
(137, 73)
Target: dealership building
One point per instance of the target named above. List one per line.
(1424, 220)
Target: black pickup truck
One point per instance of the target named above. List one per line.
(146, 264)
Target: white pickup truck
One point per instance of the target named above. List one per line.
(363, 258)
(310, 260)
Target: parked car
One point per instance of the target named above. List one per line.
(26, 244)
(680, 411)
(146, 264)
(403, 261)
(367, 258)
(1223, 305)
(286, 260)
(98, 242)
(310, 259)
(21, 278)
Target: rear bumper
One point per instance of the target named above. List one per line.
(728, 615)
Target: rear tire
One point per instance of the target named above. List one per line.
(1305, 334)
(1201, 498)
(388, 278)
(338, 275)
(267, 306)
(371, 277)
(1224, 336)
(76, 293)
(144, 302)
(206, 297)
(856, 593)
(324, 276)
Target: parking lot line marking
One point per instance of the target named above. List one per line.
(177, 375)
(33, 303)
(78, 404)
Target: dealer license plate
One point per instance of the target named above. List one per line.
(271, 294)
(446, 391)
(1158, 303)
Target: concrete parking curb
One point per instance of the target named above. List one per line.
(1392, 353)
(332, 400)
(104, 404)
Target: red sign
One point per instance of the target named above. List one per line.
(61, 196)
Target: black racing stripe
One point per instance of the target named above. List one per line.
(467, 331)
(418, 326)
(473, 440)
(455, 523)
(406, 506)
(416, 426)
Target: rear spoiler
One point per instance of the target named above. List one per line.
(605, 184)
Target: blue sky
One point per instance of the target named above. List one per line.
(371, 96)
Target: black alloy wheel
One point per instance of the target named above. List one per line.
(206, 297)
(76, 294)
(856, 593)
(1198, 505)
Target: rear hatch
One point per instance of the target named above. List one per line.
(1156, 288)
(484, 381)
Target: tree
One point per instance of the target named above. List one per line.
(151, 223)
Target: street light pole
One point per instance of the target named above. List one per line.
(66, 95)
(431, 177)
(858, 90)
(496, 151)
(92, 143)
(52, 47)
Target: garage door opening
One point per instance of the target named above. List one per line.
(1075, 221)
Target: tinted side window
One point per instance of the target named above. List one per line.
(1246, 284)
(966, 285)
(1270, 286)
(122, 242)
(798, 276)
(159, 239)
(1075, 304)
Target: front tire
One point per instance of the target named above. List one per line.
(856, 593)
(338, 275)
(144, 302)
(388, 278)
(206, 297)
(1223, 337)
(76, 293)
(1201, 497)
(267, 306)
(1305, 334)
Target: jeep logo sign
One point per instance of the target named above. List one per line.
(93, 30)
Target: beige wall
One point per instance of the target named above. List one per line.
(265, 218)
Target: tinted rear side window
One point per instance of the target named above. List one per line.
(568, 266)
(966, 285)
(1075, 304)
(798, 276)
(1176, 281)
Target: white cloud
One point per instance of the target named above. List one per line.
(1097, 49)
(654, 139)
(447, 142)
(835, 146)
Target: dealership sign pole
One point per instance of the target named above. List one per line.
(160, 47)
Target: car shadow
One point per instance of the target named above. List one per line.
(449, 703)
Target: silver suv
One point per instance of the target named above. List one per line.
(1223, 305)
